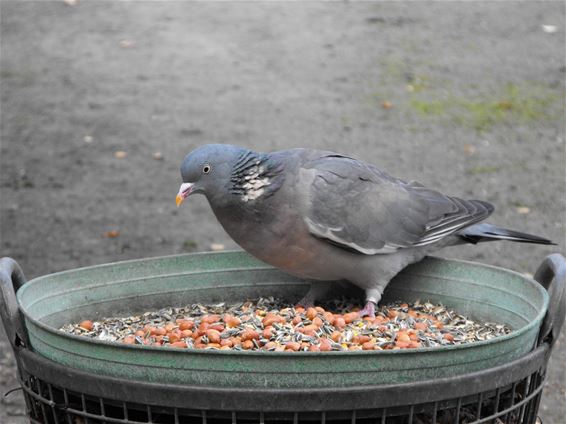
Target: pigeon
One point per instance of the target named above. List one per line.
(325, 216)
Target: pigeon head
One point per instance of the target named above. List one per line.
(207, 170)
(228, 175)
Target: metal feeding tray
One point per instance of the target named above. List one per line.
(126, 288)
(66, 376)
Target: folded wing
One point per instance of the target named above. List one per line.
(362, 209)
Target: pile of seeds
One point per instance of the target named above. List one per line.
(269, 324)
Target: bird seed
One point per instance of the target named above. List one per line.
(268, 324)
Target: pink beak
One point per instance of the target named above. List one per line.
(184, 192)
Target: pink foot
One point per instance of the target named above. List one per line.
(368, 310)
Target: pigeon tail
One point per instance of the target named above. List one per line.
(487, 232)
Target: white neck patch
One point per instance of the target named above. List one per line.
(255, 186)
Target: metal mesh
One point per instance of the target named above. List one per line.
(516, 403)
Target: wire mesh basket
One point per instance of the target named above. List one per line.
(506, 394)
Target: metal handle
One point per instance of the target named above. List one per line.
(552, 275)
(11, 279)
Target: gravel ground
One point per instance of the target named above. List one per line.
(467, 98)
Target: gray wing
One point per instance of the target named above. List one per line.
(358, 207)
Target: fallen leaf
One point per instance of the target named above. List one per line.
(505, 105)
(523, 210)
(111, 234)
(216, 247)
(158, 156)
(387, 105)
(469, 149)
(120, 154)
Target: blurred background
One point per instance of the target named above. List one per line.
(100, 101)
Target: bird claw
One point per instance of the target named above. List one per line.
(368, 310)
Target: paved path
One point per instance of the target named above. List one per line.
(467, 98)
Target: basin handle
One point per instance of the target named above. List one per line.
(552, 275)
(11, 279)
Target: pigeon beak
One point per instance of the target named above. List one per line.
(184, 192)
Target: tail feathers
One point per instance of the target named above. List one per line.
(487, 232)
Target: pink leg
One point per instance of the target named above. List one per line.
(368, 310)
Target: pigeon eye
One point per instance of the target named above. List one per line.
(206, 168)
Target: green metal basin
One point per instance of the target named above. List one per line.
(479, 291)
